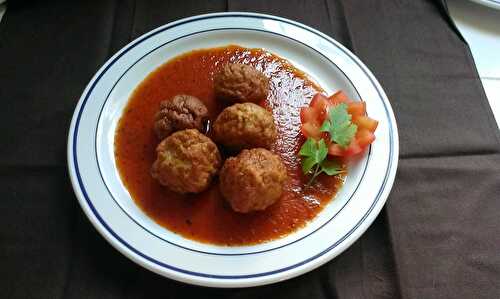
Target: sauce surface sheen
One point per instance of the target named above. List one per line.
(206, 217)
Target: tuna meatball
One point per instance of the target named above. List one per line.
(253, 180)
(245, 125)
(186, 162)
(179, 113)
(238, 82)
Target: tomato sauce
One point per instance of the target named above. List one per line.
(206, 217)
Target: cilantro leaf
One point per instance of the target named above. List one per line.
(322, 151)
(339, 113)
(339, 125)
(326, 126)
(314, 151)
(308, 163)
(308, 148)
(315, 160)
(345, 135)
(331, 167)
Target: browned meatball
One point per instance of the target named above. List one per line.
(245, 125)
(238, 82)
(253, 180)
(186, 161)
(179, 113)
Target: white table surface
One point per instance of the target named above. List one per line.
(480, 26)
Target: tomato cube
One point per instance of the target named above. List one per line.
(364, 137)
(353, 149)
(365, 122)
(310, 130)
(335, 150)
(356, 108)
(320, 104)
(339, 97)
(308, 115)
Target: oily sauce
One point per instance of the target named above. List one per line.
(206, 217)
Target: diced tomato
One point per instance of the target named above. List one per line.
(320, 105)
(356, 108)
(365, 122)
(353, 149)
(339, 97)
(308, 115)
(364, 137)
(317, 98)
(311, 130)
(312, 118)
(335, 150)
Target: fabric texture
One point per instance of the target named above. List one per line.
(438, 236)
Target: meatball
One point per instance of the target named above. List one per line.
(179, 113)
(245, 125)
(186, 161)
(238, 82)
(253, 180)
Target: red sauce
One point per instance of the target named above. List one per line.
(206, 217)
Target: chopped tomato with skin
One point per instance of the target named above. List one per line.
(308, 115)
(311, 130)
(356, 108)
(335, 150)
(317, 99)
(339, 97)
(364, 137)
(365, 122)
(320, 105)
(312, 118)
(353, 149)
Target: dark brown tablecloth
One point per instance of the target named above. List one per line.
(439, 236)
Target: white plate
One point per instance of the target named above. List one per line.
(110, 208)
(490, 3)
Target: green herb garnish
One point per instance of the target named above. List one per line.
(339, 125)
(315, 161)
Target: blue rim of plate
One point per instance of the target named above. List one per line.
(213, 276)
(207, 252)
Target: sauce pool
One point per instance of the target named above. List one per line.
(206, 217)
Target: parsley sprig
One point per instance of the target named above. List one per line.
(314, 153)
(315, 161)
(339, 125)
